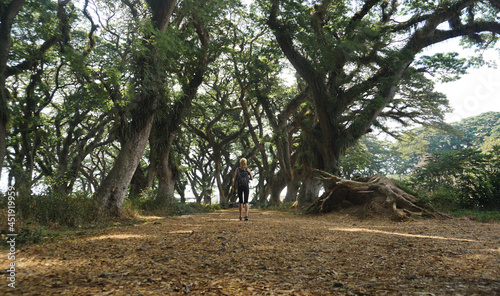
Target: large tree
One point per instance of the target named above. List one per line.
(148, 88)
(170, 64)
(48, 88)
(8, 13)
(359, 60)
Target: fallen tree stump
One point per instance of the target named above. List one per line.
(369, 197)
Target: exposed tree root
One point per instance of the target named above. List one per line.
(369, 197)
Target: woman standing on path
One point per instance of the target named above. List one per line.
(243, 175)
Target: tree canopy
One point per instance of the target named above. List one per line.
(117, 97)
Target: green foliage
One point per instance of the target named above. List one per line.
(35, 22)
(148, 202)
(356, 159)
(29, 236)
(193, 208)
(476, 131)
(478, 215)
(447, 66)
(56, 210)
(451, 171)
(471, 177)
(77, 94)
(444, 198)
(374, 156)
(284, 206)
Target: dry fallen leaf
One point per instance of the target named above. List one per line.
(272, 254)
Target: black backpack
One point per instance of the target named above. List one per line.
(243, 178)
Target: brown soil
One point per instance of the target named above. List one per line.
(271, 254)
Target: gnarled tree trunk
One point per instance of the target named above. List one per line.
(368, 197)
(278, 185)
(149, 79)
(113, 189)
(292, 189)
(309, 190)
(166, 179)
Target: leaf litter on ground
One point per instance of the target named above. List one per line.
(272, 254)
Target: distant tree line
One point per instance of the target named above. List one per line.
(457, 166)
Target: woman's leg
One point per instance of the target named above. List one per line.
(246, 193)
(240, 200)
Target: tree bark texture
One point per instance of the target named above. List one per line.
(309, 190)
(276, 188)
(292, 189)
(332, 95)
(8, 12)
(138, 183)
(112, 191)
(376, 196)
(166, 175)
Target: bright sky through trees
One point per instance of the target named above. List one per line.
(475, 93)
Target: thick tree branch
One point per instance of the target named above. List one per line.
(132, 7)
(93, 28)
(8, 12)
(33, 60)
(423, 37)
(162, 11)
(299, 62)
(362, 13)
(464, 30)
(38, 54)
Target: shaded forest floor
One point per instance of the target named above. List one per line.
(274, 253)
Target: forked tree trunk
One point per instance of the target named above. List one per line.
(368, 196)
(138, 184)
(166, 179)
(292, 188)
(223, 197)
(277, 186)
(309, 191)
(113, 189)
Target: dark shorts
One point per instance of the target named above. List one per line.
(243, 193)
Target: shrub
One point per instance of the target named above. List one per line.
(149, 202)
(463, 178)
(54, 210)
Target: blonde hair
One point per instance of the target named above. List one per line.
(243, 163)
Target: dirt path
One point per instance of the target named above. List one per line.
(272, 254)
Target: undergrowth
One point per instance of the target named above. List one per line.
(38, 217)
(445, 199)
(45, 216)
(478, 215)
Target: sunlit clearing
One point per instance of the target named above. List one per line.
(118, 236)
(181, 231)
(399, 234)
(150, 217)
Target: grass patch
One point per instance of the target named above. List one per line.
(478, 215)
(290, 208)
(195, 208)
